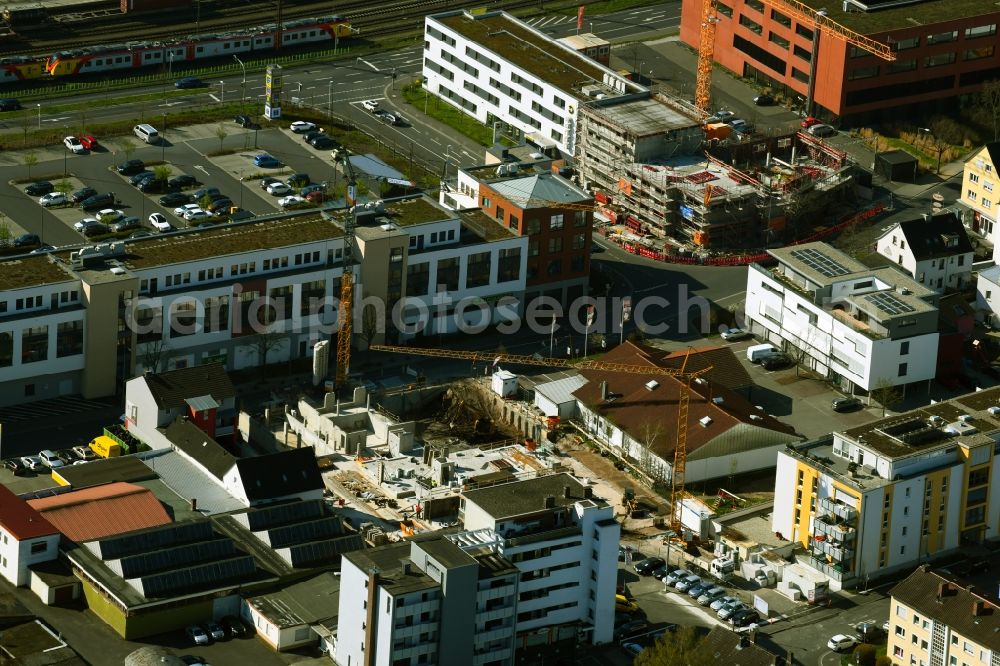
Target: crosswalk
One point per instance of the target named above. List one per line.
(40, 410)
(549, 21)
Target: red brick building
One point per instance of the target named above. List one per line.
(944, 48)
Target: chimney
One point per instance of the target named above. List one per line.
(928, 217)
(588, 492)
(194, 503)
(978, 607)
(566, 492)
(549, 502)
(406, 567)
(604, 391)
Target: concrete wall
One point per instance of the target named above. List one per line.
(100, 343)
(48, 594)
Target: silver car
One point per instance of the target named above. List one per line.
(722, 601)
(685, 584)
(710, 595)
(728, 610)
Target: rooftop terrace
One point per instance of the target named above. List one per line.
(922, 13)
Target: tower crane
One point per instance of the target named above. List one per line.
(682, 374)
(794, 9)
(345, 311)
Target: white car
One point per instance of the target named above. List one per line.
(292, 200)
(278, 189)
(675, 575)
(841, 642)
(196, 215)
(685, 584)
(32, 462)
(722, 116)
(719, 603)
(159, 222)
(822, 130)
(181, 211)
(50, 459)
(370, 105)
(197, 635)
(301, 127)
(735, 334)
(74, 145)
(84, 223)
(84, 453)
(726, 611)
(109, 215)
(52, 199)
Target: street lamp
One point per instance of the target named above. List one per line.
(39, 115)
(329, 99)
(937, 146)
(222, 92)
(243, 86)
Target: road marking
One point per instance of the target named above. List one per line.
(213, 97)
(55, 120)
(369, 64)
(171, 103)
(202, 169)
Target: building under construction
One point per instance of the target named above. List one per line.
(670, 178)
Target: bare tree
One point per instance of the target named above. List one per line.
(369, 323)
(4, 231)
(990, 98)
(64, 187)
(30, 160)
(154, 354)
(647, 460)
(266, 341)
(220, 131)
(886, 394)
(128, 147)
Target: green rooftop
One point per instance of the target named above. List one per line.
(31, 271)
(922, 13)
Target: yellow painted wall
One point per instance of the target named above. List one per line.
(985, 176)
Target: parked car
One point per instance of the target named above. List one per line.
(33, 463)
(212, 192)
(109, 215)
(291, 200)
(96, 230)
(125, 224)
(244, 121)
(215, 631)
(314, 187)
(869, 632)
(370, 105)
(629, 628)
(98, 201)
(89, 142)
(268, 180)
(734, 334)
(83, 193)
(730, 609)
(723, 601)
(808, 122)
(323, 142)
(634, 649)
(74, 145)
(50, 459)
(153, 186)
(841, 643)
(647, 566)
(234, 626)
(298, 180)
(84, 223)
(316, 196)
(84, 452)
(181, 210)
(659, 573)
(15, 466)
(189, 82)
(845, 404)
(220, 206)
(266, 161)
(141, 176)
(699, 588)
(763, 100)
(53, 199)
(278, 189)
(38, 188)
(711, 595)
(625, 605)
(27, 240)
(822, 129)
(745, 618)
(181, 181)
(684, 584)
(130, 167)
(175, 199)
(197, 635)
(302, 126)
(159, 222)
(721, 116)
(776, 361)
(196, 215)
(739, 125)
(675, 576)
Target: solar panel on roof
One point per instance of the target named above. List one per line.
(114, 548)
(209, 573)
(819, 262)
(163, 559)
(307, 554)
(301, 532)
(281, 514)
(888, 303)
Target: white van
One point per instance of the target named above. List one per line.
(756, 353)
(147, 133)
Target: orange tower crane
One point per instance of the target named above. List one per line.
(683, 376)
(796, 10)
(345, 312)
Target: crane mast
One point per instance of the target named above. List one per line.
(345, 311)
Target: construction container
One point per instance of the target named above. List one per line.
(105, 447)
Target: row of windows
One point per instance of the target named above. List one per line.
(938, 60)
(525, 83)
(482, 59)
(59, 298)
(440, 36)
(218, 272)
(35, 343)
(440, 69)
(479, 92)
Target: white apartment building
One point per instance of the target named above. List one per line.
(935, 619)
(88, 323)
(426, 601)
(934, 250)
(889, 494)
(497, 68)
(988, 297)
(26, 538)
(858, 326)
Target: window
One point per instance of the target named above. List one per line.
(902, 369)
(973, 177)
(39, 547)
(580, 219)
(981, 31)
(509, 265)
(747, 22)
(863, 73)
(986, 203)
(939, 60)
(904, 349)
(980, 53)
(486, 202)
(775, 38)
(778, 17)
(417, 278)
(69, 338)
(35, 344)
(478, 270)
(803, 31)
(555, 245)
(942, 37)
(910, 43)
(725, 10)
(556, 222)
(500, 213)
(532, 227)
(513, 222)
(579, 240)
(533, 248)
(970, 195)
(902, 66)
(447, 274)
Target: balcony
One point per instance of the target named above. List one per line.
(848, 319)
(829, 507)
(831, 531)
(832, 552)
(837, 572)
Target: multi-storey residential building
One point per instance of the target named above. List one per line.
(889, 494)
(88, 323)
(943, 49)
(496, 68)
(531, 201)
(426, 601)
(981, 193)
(935, 619)
(859, 327)
(934, 250)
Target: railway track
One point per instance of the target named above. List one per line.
(102, 28)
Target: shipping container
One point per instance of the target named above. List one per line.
(105, 447)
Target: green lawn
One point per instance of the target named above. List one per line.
(444, 112)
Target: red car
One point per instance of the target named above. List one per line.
(316, 197)
(88, 142)
(806, 124)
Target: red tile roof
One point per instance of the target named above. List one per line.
(93, 513)
(643, 413)
(21, 520)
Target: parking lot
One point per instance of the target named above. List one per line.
(184, 151)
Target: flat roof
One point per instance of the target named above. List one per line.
(584, 40)
(826, 265)
(522, 46)
(642, 117)
(32, 271)
(388, 561)
(517, 498)
(485, 227)
(223, 240)
(308, 602)
(913, 15)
